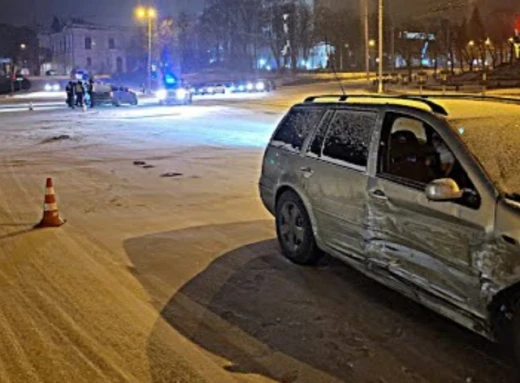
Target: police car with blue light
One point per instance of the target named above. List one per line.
(173, 91)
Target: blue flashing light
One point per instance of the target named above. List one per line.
(170, 80)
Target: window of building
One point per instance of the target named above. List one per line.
(89, 62)
(348, 137)
(111, 43)
(296, 126)
(88, 43)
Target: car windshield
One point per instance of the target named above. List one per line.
(493, 137)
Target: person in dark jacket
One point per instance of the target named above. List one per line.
(80, 93)
(90, 91)
(70, 94)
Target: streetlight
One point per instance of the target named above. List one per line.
(23, 46)
(471, 43)
(372, 43)
(148, 14)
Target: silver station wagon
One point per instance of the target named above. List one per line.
(419, 193)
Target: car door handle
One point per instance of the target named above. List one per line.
(378, 194)
(307, 172)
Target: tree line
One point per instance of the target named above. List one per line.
(236, 34)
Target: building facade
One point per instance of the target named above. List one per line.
(93, 48)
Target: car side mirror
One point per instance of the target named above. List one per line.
(444, 189)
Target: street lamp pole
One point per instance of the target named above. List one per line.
(149, 14)
(367, 47)
(149, 53)
(381, 35)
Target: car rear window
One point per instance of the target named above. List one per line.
(296, 126)
(348, 138)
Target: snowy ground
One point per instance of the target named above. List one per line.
(179, 279)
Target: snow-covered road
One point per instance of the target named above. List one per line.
(168, 271)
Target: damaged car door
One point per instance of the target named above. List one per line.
(334, 175)
(420, 244)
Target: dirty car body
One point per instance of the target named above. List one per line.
(401, 194)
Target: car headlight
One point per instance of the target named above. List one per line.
(181, 93)
(48, 87)
(210, 90)
(161, 94)
(260, 86)
(241, 88)
(249, 86)
(56, 87)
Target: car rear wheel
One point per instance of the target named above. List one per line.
(294, 230)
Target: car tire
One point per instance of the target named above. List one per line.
(134, 102)
(511, 339)
(294, 230)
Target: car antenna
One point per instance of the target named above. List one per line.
(337, 79)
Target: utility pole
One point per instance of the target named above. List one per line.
(149, 14)
(381, 35)
(393, 47)
(149, 72)
(367, 38)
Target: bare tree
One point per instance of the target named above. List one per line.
(409, 49)
(274, 32)
(339, 29)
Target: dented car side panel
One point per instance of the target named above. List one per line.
(452, 254)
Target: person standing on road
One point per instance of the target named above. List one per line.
(80, 92)
(90, 91)
(70, 94)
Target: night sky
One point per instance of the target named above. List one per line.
(118, 12)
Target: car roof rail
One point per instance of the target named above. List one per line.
(475, 97)
(436, 108)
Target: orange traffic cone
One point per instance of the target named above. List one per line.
(51, 216)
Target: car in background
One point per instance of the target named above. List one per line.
(122, 95)
(51, 72)
(105, 94)
(53, 86)
(230, 87)
(217, 88)
(255, 86)
(240, 87)
(179, 95)
(197, 89)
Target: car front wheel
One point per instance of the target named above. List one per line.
(294, 230)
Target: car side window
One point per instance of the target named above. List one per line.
(348, 138)
(412, 152)
(296, 127)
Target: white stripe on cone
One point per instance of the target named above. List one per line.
(51, 206)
